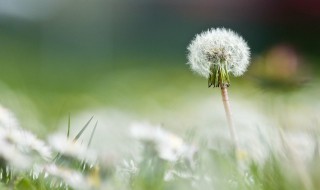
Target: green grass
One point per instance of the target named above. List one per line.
(41, 96)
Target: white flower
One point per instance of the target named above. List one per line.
(169, 146)
(7, 118)
(65, 146)
(28, 142)
(21, 140)
(19, 146)
(216, 52)
(73, 178)
(11, 154)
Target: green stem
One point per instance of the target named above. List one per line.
(218, 76)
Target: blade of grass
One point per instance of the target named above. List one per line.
(77, 136)
(56, 157)
(69, 126)
(84, 163)
(83, 129)
(92, 133)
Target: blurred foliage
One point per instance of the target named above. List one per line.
(61, 57)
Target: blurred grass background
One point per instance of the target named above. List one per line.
(59, 57)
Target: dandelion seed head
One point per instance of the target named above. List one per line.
(221, 47)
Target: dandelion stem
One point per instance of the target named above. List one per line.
(226, 104)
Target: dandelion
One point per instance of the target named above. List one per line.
(216, 53)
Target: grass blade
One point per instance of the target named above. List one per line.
(82, 130)
(92, 133)
(69, 126)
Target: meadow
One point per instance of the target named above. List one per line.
(99, 95)
(157, 127)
